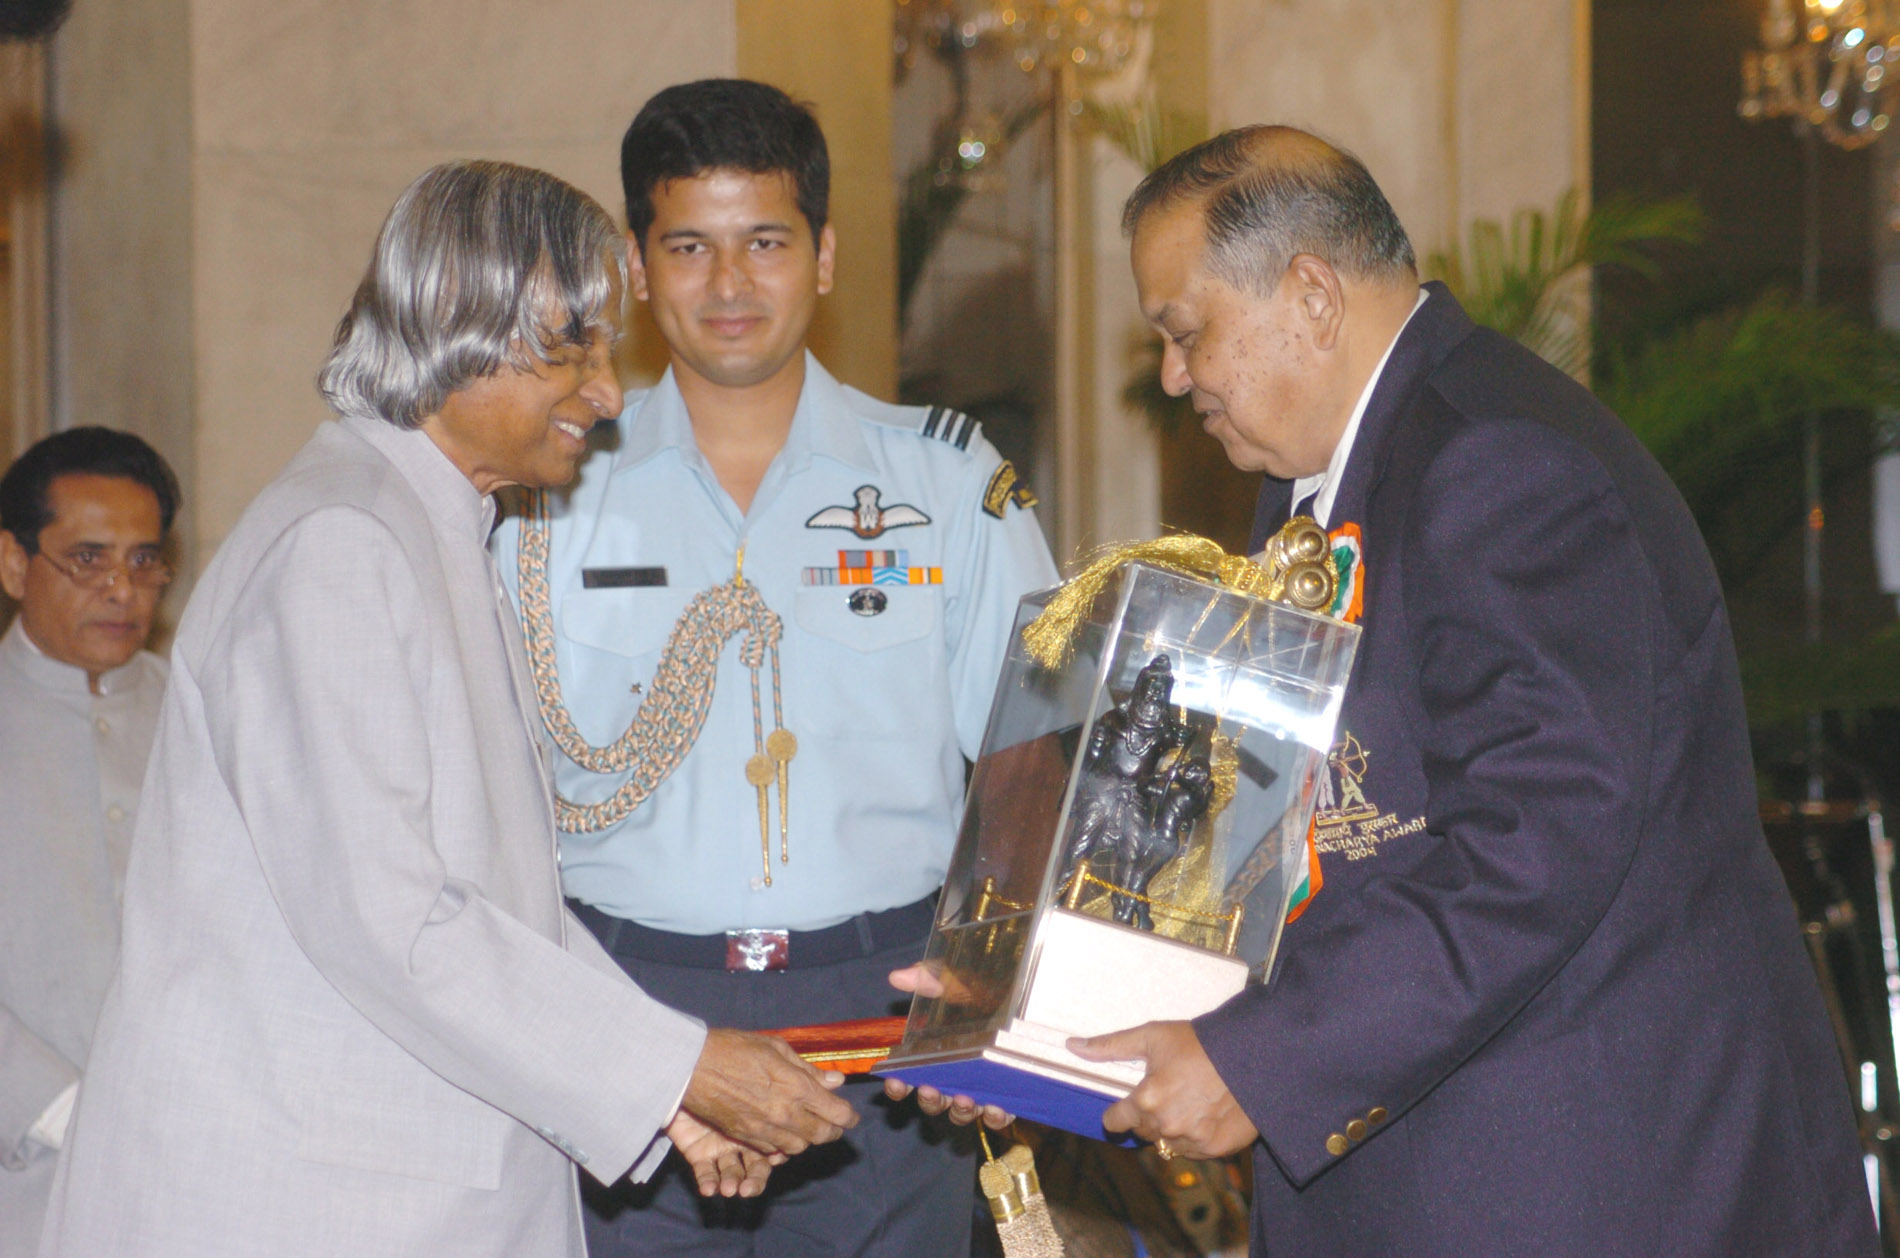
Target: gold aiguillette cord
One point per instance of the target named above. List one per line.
(758, 773)
(781, 746)
(771, 758)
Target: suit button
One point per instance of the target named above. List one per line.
(1376, 1115)
(1355, 1130)
(1336, 1144)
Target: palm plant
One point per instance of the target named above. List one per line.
(1719, 401)
(1532, 281)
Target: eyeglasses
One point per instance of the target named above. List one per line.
(95, 570)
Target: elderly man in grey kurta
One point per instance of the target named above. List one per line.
(352, 1016)
(83, 518)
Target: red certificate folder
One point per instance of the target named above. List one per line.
(853, 1048)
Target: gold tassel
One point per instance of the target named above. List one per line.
(1022, 1216)
(1295, 567)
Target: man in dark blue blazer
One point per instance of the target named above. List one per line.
(1551, 999)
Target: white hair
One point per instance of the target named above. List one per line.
(479, 264)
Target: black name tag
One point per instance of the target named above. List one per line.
(621, 578)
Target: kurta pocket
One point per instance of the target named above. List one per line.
(423, 1138)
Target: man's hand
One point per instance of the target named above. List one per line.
(720, 1166)
(962, 1110)
(755, 1090)
(1181, 1099)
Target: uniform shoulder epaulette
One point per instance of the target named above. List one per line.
(952, 427)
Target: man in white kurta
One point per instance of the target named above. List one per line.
(82, 514)
(352, 1017)
(70, 766)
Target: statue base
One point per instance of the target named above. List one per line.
(1087, 977)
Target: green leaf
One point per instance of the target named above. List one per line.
(1532, 282)
(1721, 404)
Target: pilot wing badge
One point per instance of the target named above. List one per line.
(869, 517)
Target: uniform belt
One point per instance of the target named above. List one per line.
(865, 935)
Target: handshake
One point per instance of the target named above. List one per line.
(752, 1103)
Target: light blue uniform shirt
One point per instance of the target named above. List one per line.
(886, 706)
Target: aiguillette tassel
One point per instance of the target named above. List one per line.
(1015, 1196)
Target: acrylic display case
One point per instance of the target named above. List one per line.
(1132, 838)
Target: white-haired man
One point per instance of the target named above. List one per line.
(352, 1017)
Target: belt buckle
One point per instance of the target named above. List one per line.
(758, 950)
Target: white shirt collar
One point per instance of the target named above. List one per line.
(1327, 482)
(824, 423)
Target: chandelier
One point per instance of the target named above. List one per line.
(1833, 65)
(931, 25)
(1095, 35)
(1090, 35)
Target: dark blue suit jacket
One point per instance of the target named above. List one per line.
(1552, 999)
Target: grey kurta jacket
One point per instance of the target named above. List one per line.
(70, 766)
(352, 1016)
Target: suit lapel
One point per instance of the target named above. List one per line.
(1433, 332)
